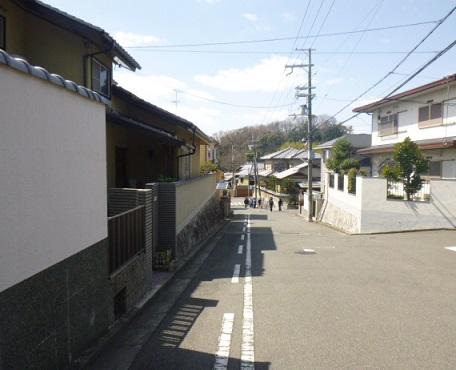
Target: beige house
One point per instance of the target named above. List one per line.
(87, 216)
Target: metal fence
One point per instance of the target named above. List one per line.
(395, 190)
(331, 180)
(126, 236)
(340, 182)
(352, 184)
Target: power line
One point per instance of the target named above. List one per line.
(439, 23)
(407, 80)
(233, 104)
(256, 41)
(372, 52)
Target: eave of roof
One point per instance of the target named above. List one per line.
(417, 90)
(123, 120)
(39, 72)
(80, 27)
(167, 116)
(443, 143)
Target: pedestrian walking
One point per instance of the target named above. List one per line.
(271, 204)
(280, 204)
(246, 202)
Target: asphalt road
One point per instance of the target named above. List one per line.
(320, 300)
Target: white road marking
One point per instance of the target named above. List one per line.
(243, 229)
(223, 353)
(242, 237)
(240, 248)
(308, 250)
(248, 348)
(236, 272)
(451, 248)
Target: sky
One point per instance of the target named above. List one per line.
(227, 86)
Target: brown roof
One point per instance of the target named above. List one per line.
(440, 143)
(372, 106)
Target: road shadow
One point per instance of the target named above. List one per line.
(165, 348)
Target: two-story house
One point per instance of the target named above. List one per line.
(426, 114)
(79, 225)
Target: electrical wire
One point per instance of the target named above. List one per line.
(439, 23)
(233, 104)
(408, 79)
(288, 38)
(373, 52)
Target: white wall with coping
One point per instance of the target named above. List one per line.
(369, 211)
(52, 175)
(342, 209)
(191, 196)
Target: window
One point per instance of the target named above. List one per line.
(387, 125)
(434, 168)
(430, 115)
(2, 33)
(101, 78)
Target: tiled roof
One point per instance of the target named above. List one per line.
(417, 90)
(288, 153)
(357, 140)
(39, 72)
(79, 27)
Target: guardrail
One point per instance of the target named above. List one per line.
(126, 236)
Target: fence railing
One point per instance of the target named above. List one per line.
(126, 236)
(395, 190)
(340, 182)
(331, 180)
(352, 184)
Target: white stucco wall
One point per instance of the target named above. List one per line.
(369, 211)
(380, 214)
(340, 208)
(191, 196)
(52, 175)
(408, 118)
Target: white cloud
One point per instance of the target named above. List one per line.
(334, 81)
(251, 17)
(288, 16)
(209, 1)
(160, 90)
(135, 39)
(266, 76)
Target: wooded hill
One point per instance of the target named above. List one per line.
(234, 151)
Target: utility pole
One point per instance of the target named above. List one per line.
(255, 169)
(307, 108)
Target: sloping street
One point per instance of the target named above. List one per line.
(279, 293)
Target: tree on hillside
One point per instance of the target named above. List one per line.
(409, 162)
(340, 160)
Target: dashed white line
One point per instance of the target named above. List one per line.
(240, 248)
(242, 237)
(451, 248)
(243, 229)
(223, 352)
(236, 272)
(248, 348)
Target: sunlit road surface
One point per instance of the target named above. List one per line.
(279, 293)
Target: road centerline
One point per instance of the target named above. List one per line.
(223, 352)
(236, 272)
(247, 348)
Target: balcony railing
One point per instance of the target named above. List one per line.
(126, 236)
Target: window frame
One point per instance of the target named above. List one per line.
(394, 122)
(430, 122)
(3, 30)
(109, 71)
